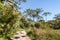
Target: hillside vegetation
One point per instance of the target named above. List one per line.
(13, 20)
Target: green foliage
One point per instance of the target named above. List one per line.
(37, 25)
(55, 24)
(9, 21)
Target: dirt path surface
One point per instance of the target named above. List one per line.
(21, 35)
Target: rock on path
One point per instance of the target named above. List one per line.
(21, 35)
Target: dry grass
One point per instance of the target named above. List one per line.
(47, 34)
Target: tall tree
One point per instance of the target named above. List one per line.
(46, 14)
(57, 17)
(38, 12)
(28, 13)
(33, 13)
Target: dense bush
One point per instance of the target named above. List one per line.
(55, 24)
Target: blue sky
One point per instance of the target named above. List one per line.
(52, 6)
